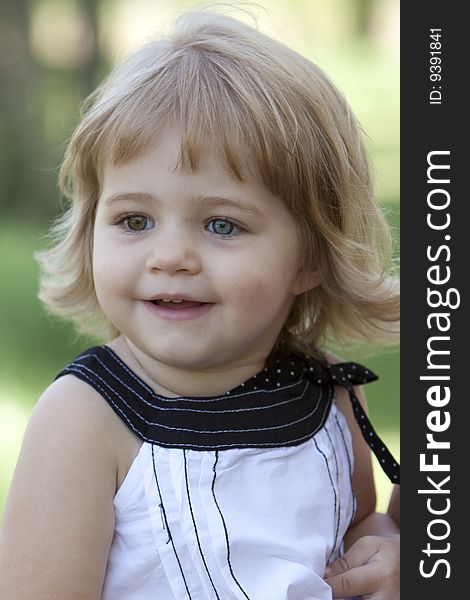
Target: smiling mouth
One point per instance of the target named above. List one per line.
(178, 309)
(177, 304)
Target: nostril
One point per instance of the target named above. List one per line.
(174, 258)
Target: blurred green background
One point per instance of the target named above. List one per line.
(52, 54)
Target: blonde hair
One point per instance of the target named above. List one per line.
(226, 82)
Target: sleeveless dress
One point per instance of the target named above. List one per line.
(246, 495)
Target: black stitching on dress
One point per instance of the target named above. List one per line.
(350, 469)
(336, 500)
(194, 523)
(162, 508)
(337, 477)
(345, 447)
(225, 527)
(79, 370)
(186, 399)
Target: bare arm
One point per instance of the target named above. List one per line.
(370, 566)
(367, 522)
(363, 480)
(394, 505)
(371, 563)
(59, 520)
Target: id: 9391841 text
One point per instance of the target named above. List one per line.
(435, 66)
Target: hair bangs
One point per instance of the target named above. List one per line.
(215, 107)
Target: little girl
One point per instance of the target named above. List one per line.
(221, 226)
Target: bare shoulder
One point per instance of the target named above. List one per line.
(80, 411)
(73, 405)
(331, 358)
(59, 518)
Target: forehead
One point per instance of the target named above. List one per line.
(159, 170)
(190, 148)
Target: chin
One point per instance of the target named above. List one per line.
(189, 359)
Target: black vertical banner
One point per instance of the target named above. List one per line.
(435, 268)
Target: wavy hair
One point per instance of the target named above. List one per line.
(228, 84)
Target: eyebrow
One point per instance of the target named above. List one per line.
(206, 201)
(125, 197)
(216, 201)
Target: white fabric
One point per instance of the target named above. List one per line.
(265, 529)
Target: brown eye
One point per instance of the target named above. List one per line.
(138, 222)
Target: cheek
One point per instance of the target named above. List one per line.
(110, 252)
(262, 287)
(108, 268)
(102, 265)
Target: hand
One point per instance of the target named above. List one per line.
(371, 568)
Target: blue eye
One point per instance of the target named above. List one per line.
(137, 223)
(222, 227)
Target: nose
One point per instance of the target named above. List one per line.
(174, 252)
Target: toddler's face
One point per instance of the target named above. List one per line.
(223, 252)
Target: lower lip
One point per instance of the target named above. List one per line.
(178, 314)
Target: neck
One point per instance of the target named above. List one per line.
(173, 381)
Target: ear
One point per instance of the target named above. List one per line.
(306, 280)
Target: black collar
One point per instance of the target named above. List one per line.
(283, 405)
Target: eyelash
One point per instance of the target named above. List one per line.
(123, 222)
(239, 229)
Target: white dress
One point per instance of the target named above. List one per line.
(215, 509)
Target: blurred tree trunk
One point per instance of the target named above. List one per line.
(27, 181)
(20, 122)
(364, 12)
(90, 71)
